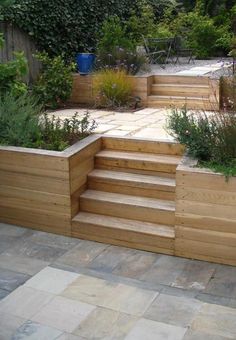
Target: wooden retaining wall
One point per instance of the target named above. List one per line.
(205, 215)
(39, 188)
(82, 90)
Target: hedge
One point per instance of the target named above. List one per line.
(65, 27)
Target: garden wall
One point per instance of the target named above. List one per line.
(205, 215)
(82, 90)
(39, 188)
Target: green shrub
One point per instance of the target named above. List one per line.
(120, 58)
(54, 84)
(12, 72)
(209, 138)
(58, 134)
(22, 123)
(19, 120)
(113, 35)
(112, 88)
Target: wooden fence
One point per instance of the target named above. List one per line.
(17, 40)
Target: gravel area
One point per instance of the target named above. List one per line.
(184, 66)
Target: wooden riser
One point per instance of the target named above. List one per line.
(129, 207)
(132, 184)
(189, 104)
(118, 231)
(135, 160)
(175, 79)
(142, 145)
(181, 90)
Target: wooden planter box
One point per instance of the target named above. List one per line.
(205, 214)
(40, 189)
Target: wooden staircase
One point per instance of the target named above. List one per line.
(199, 93)
(130, 197)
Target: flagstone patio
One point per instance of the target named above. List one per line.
(56, 287)
(147, 123)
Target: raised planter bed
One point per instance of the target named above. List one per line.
(39, 189)
(205, 214)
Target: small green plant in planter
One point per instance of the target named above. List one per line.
(112, 88)
(54, 84)
(23, 123)
(211, 138)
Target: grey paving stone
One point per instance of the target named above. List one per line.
(165, 270)
(82, 254)
(22, 264)
(223, 283)
(216, 320)
(8, 325)
(39, 251)
(195, 335)
(3, 294)
(63, 314)
(106, 324)
(174, 310)
(25, 302)
(34, 331)
(195, 275)
(217, 300)
(53, 240)
(136, 264)
(7, 242)
(116, 296)
(152, 330)
(110, 258)
(10, 280)
(11, 230)
(67, 336)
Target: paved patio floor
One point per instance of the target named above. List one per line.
(147, 123)
(55, 287)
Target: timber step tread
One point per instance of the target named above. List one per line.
(125, 224)
(139, 156)
(158, 97)
(132, 179)
(200, 86)
(128, 200)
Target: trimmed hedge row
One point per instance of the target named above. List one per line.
(65, 27)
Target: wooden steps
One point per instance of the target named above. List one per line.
(120, 231)
(131, 207)
(184, 91)
(130, 196)
(132, 184)
(136, 160)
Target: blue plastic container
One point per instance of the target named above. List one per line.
(85, 62)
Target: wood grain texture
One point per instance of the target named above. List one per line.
(205, 215)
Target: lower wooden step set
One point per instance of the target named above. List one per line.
(130, 197)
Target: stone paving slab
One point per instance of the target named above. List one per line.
(112, 293)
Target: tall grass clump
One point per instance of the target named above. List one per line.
(112, 88)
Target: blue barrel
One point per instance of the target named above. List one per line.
(85, 62)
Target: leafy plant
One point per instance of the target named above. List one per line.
(11, 74)
(58, 134)
(54, 84)
(113, 35)
(22, 123)
(65, 27)
(209, 138)
(112, 88)
(122, 59)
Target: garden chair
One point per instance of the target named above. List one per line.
(180, 51)
(157, 50)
